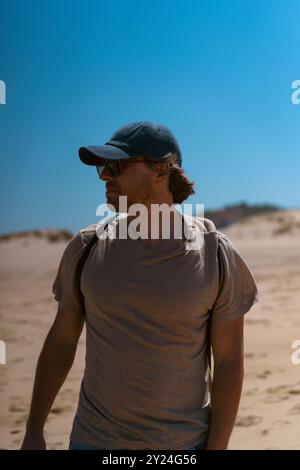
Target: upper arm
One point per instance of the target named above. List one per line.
(227, 340)
(237, 287)
(67, 326)
(237, 293)
(66, 286)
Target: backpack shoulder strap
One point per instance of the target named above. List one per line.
(208, 342)
(90, 237)
(92, 241)
(208, 226)
(209, 352)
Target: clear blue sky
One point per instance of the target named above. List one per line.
(218, 73)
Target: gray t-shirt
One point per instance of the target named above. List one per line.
(146, 381)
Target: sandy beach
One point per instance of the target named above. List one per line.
(269, 413)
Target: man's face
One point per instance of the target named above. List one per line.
(137, 181)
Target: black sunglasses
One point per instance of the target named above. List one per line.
(115, 167)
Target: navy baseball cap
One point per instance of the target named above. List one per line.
(144, 138)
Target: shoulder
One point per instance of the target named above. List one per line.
(209, 227)
(79, 240)
(226, 244)
(216, 239)
(202, 223)
(206, 226)
(87, 233)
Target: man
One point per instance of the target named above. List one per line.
(147, 306)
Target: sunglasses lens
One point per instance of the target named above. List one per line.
(112, 166)
(99, 169)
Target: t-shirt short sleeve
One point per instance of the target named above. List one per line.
(237, 288)
(65, 287)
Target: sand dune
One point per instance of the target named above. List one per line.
(269, 414)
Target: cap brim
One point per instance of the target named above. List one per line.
(93, 155)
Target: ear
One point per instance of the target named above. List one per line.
(163, 170)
